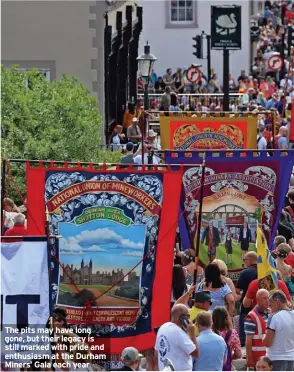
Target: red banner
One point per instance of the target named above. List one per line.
(208, 135)
(63, 193)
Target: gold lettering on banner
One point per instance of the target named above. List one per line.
(110, 186)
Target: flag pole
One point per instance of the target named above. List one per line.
(199, 219)
(49, 244)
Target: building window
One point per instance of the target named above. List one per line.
(256, 7)
(42, 71)
(181, 13)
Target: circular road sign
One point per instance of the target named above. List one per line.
(193, 74)
(275, 62)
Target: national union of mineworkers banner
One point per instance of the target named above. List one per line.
(203, 133)
(114, 227)
(108, 224)
(238, 193)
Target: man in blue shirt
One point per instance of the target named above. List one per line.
(212, 347)
(272, 102)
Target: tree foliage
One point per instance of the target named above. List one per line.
(45, 120)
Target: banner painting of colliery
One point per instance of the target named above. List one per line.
(109, 225)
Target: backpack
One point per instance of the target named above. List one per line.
(276, 141)
(291, 212)
(228, 365)
(270, 146)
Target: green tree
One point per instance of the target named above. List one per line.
(56, 120)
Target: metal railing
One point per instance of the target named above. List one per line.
(204, 98)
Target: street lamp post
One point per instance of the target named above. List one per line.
(145, 64)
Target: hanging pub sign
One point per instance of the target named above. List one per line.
(226, 27)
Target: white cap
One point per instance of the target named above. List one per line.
(151, 133)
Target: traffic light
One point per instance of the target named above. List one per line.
(198, 46)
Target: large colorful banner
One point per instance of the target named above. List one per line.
(238, 193)
(203, 133)
(117, 229)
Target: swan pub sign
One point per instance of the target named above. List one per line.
(226, 27)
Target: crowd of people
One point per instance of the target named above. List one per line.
(260, 89)
(237, 320)
(215, 321)
(14, 222)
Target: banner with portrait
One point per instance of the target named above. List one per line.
(238, 193)
(204, 133)
(117, 228)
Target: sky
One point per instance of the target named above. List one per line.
(110, 245)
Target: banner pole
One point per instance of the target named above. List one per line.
(199, 220)
(274, 130)
(3, 185)
(48, 258)
(31, 237)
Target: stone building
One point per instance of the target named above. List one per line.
(85, 275)
(96, 41)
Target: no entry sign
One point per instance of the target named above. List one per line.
(193, 74)
(275, 63)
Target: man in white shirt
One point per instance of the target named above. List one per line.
(286, 84)
(138, 156)
(261, 141)
(279, 336)
(176, 340)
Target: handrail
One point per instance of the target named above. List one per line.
(194, 94)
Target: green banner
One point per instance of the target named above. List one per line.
(103, 213)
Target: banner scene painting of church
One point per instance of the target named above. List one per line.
(97, 255)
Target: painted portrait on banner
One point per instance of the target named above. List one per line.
(236, 198)
(210, 133)
(109, 226)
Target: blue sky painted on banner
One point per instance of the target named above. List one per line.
(110, 245)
